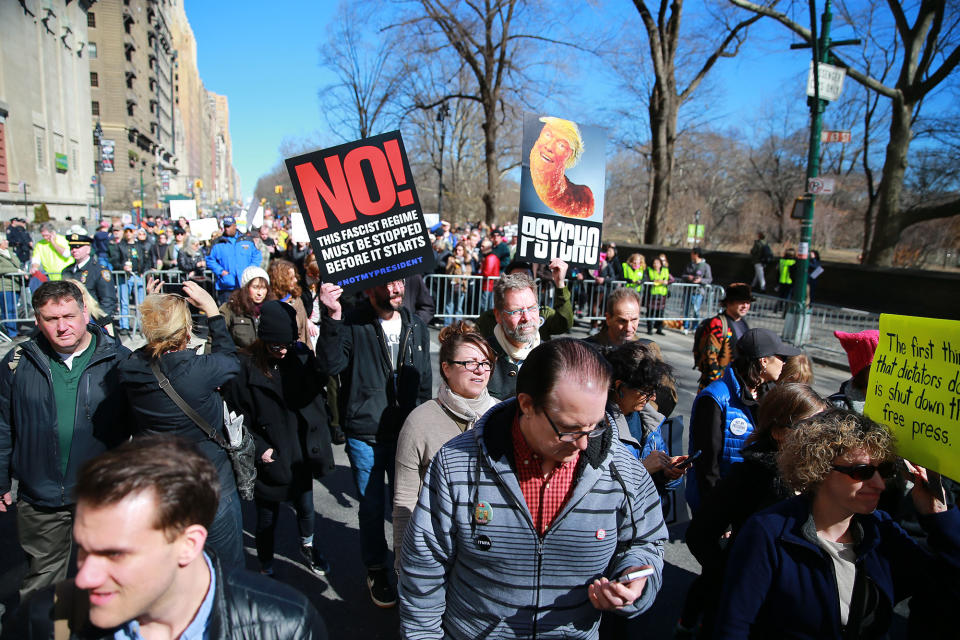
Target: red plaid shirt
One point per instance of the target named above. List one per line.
(545, 495)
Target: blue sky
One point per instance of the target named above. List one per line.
(265, 58)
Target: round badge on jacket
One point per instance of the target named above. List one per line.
(739, 426)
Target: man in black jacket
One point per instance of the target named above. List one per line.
(131, 256)
(382, 353)
(60, 405)
(143, 511)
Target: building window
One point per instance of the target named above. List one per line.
(95, 108)
(92, 50)
(130, 106)
(130, 78)
(91, 19)
(94, 79)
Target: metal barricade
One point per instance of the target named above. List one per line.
(16, 314)
(458, 297)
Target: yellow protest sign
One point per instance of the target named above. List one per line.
(914, 389)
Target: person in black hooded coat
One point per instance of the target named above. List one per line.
(281, 393)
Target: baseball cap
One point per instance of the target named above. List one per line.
(762, 343)
(229, 221)
(129, 227)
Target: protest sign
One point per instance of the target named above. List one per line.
(914, 389)
(561, 191)
(203, 228)
(298, 228)
(362, 212)
(183, 209)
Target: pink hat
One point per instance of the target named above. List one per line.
(860, 347)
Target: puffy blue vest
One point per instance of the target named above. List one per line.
(738, 425)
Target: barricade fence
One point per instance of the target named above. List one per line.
(16, 295)
(466, 297)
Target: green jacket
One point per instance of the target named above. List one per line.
(634, 277)
(654, 276)
(785, 264)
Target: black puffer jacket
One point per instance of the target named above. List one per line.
(246, 606)
(28, 419)
(286, 412)
(371, 407)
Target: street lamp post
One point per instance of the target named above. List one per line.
(442, 113)
(98, 136)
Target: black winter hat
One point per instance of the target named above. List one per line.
(763, 343)
(278, 323)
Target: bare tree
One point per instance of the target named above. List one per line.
(491, 40)
(929, 51)
(666, 96)
(359, 103)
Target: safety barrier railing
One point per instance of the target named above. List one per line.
(16, 316)
(16, 308)
(465, 297)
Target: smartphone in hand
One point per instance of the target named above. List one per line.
(683, 464)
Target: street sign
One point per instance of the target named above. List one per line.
(834, 136)
(694, 233)
(831, 81)
(820, 186)
(93, 180)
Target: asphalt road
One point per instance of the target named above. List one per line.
(342, 596)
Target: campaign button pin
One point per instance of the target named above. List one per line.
(483, 543)
(483, 513)
(601, 534)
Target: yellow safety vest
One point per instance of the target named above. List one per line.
(52, 262)
(785, 264)
(663, 274)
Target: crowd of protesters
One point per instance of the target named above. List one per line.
(527, 492)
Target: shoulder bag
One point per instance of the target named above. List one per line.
(241, 456)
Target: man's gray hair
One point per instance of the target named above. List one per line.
(511, 282)
(620, 294)
(48, 226)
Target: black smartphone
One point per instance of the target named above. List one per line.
(683, 464)
(174, 288)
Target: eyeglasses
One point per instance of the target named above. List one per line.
(573, 436)
(478, 366)
(277, 347)
(528, 310)
(864, 472)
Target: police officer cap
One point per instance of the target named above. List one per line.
(78, 240)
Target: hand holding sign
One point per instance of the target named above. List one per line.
(330, 298)
(558, 268)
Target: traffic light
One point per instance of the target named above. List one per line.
(278, 188)
(198, 184)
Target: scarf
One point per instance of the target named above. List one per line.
(464, 411)
(517, 354)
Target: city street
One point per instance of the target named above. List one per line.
(342, 596)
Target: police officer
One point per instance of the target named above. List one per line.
(97, 280)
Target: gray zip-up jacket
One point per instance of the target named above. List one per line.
(463, 579)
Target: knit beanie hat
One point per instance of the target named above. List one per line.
(252, 273)
(860, 348)
(278, 323)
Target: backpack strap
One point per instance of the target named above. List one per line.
(187, 409)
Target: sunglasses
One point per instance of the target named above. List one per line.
(573, 436)
(864, 472)
(277, 347)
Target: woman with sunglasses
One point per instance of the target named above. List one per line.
(466, 360)
(281, 394)
(827, 564)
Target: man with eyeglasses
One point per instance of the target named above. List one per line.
(525, 522)
(519, 326)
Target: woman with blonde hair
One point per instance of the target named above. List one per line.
(466, 360)
(285, 287)
(826, 563)
(167, 326)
